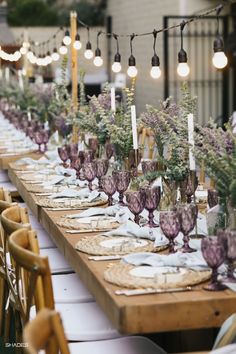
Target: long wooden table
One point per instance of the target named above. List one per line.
(139, 314)
(6, 159)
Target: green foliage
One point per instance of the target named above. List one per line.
(31, 13)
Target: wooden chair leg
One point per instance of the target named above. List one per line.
(18, 332)
(7, 324)
(2, 303)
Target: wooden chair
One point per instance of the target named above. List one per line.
(22, 244)
(47, 329)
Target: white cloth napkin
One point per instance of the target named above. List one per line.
(133, 230)
(71, 193)
(119, 213)
(60, 170)
(177, 259)
(229, 349)
(53, 181)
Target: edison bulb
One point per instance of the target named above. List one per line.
(132, 71)
(77, 45)
(155, 72)
(183, 69)
(219, 60)
(55, 56)
(30, 54)
(63, 50)
(67, 40)
(49, 59)
(39, 61)
(116, 67)
(88, 54)
(17, 54)
(33, 60)
(98, 61)
(23, 50)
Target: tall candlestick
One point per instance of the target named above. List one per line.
(113, 99)
(192, 163)
(134, 127)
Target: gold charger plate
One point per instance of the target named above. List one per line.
(127, 275)
(100, 245)
(97, 224)
(68, 203)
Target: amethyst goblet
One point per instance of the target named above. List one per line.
(38, 137)
(152, 200)
(136, 203)
(191, 185)
(122, 179)
(109, 150)
(76, 165)
(72, 150)
(89, 172)
(170, 226)
(212, 198)
(88, 156)
(63, 155)
(101, 170)
(81, 156)
(148, 169)
(109, 187)
(214, 253)
(93, 144)
(228, 239)
(187, 218)
(45, 134)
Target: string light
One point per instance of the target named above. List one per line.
(67, 40)
(98, 61)
(219, 58)
(132, 70)
(63, 49)
(77, 44)
(23, 50)
(183, 69)
(55, 55)
(116, 66)
(88, 54)
(155, 71)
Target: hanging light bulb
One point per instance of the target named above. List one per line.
(48, 58)
(219, 58)
(29, 54)
(23, 50)
(17, 55)
(55, 56)
(98, 61)
(67, 39)
(116, 66)
(77, 44)
(88, 54)
(183, 69)
(63, 50)
(132, 70)
(155, 71)
(33, 59)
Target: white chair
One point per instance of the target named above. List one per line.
(4, 176)
(54, 334)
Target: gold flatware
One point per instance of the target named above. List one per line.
(134, 292)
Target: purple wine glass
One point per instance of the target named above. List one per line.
(88, 156)
(76, 165)
(228, 239)
(148, 169)
(136, 203)
(122, 179)
(170, 226)
(212, 198)
(93, 144)
(109, 150)
(89, 172)
(102, 168)
(38, 137)
(214, 253)
(81, 155)
(187, 218)
(109, 187)
(63, 155)
(191, 185)
(45, 134)
(152, 200)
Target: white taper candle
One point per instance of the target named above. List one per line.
(192, 163)
(113, 99)
(134, 127)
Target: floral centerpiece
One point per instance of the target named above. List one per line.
(216, 148)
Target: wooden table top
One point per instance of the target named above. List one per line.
(6, 159)
(137, 314)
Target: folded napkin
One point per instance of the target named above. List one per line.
(53, 181)
(192, 260)
(83, 194)
(60, 170)
(119, 213)
(132, 229)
